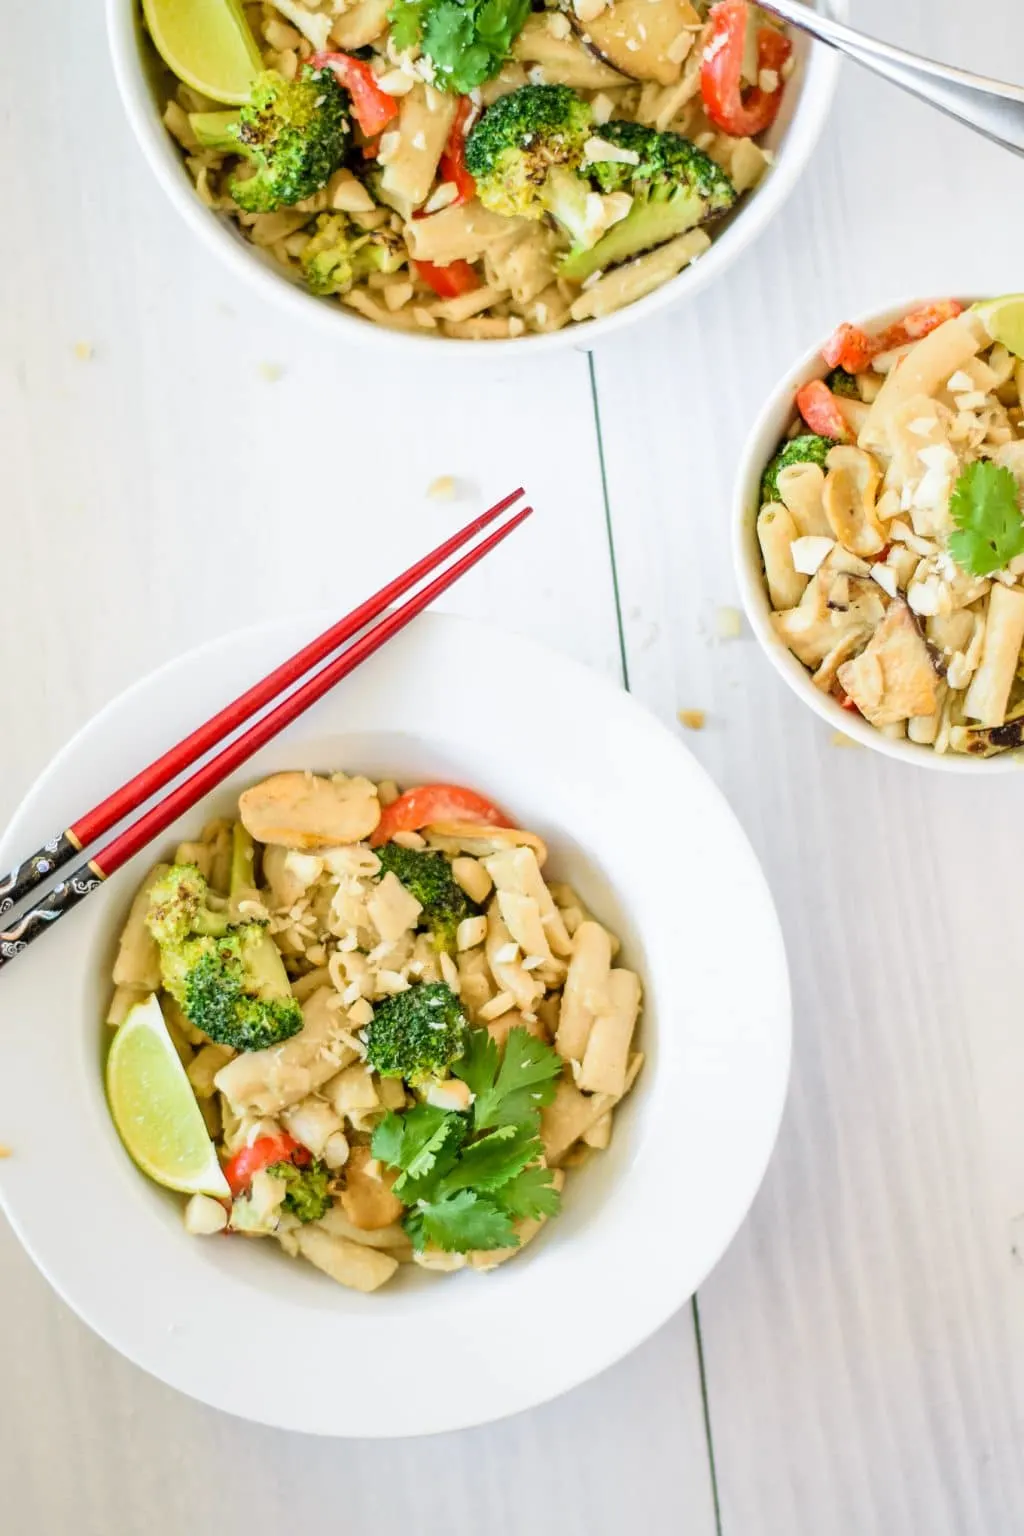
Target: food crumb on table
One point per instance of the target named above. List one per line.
(84, 351)
(840, 739)
(5, 1151)
(271, 372)
(728, 623)
(444, 488)
(693, 719)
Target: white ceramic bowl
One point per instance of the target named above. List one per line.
(771, 427)
(654, 849)
(792, 138)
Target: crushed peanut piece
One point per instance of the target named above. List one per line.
(693, 719)
(442, 489)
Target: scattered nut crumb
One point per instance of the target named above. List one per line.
(442, 489)
(693, 719)
(5, 1151)
(841, 740)
(728, 623)
(271, 372)
(84, 351)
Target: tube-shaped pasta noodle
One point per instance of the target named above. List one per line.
(586, 989)
(517, 870)
(526, 1230)
(802, 488)
(989, 692)
(138, 956)
(607, 1053)
(923, 372)
(510, 975)
(353, 1089)
(263, 1082)
(424, 122)
(353, 1264)
(776, 531)
(568, 1117)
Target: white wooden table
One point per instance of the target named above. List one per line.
(855, 1363)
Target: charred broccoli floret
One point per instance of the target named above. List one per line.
(844, 384)
(416, 1034)
(809, 448)
(293, 132)
(674, 186)
(308, 1197)
(524, 153)
(228, 977)
(428, 876)
(340, 253)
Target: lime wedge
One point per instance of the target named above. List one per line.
(207, 43)
(1004, 320)
(155, 1110)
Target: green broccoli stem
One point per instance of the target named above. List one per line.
(213, 130)
(243, 864)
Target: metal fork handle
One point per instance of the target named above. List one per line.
(991, 107)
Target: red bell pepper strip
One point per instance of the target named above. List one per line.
(372, 108)
(263, 1153)
(430, 803)
(853, 349)
(449, 281)
(453, 162)
(819, 408)
(919, 323)
(721, 80)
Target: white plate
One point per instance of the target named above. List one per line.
(632, 820)
(791, 139)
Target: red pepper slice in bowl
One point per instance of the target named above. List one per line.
(743, 114)
(240, 1169)
(450, 280)
(372, 108)
(853, 349)
(453, 162)
(436, 802)
(820, 410)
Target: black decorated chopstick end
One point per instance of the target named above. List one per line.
(37, 869)
(53, 906)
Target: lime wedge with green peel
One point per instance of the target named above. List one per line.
(155, 1110)
(207, 43)
(1004, 320)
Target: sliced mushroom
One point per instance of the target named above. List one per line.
(307, 812)
(569, 61)
(979, 741)
(645, 39)
(894, 677)
(851, 497)
(367, 1199)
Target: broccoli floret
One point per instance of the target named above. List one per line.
(294, 133)
(809, 448)
(519, 146)
(416, 1034)
(842, 383)
(674, 186)
(428, 876)
(228, 977)
(340, 253)
(466, 41)
(307, 1196)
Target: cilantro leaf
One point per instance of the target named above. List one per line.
(529, 1195)
(424, 1143)
(467, 41)
(460, 1223)
(494, 1159)
(985, 506)
(478, 1065)
(525, 1081)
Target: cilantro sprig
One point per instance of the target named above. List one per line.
(985, 506)
(468, 41)
(468, 1178)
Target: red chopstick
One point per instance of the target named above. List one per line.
(60, 850)
(66, 895)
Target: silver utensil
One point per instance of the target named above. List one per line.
(990, 107)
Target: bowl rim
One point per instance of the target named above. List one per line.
(820, 76)
(771, 1086)
(768, 429)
